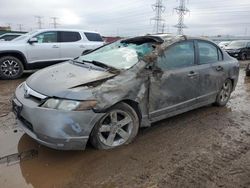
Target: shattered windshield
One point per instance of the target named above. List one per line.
(237, 44)
(119, 55)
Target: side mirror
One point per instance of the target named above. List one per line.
(33, 40)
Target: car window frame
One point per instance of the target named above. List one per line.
(213, 44)
(57, 37)
(60, 36)
(176, 43)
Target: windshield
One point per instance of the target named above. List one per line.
(237, 44)
(22, 37)
(119, 55)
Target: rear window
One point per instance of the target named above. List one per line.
(69, 36)
(93, 37)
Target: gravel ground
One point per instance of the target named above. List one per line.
(207, 147)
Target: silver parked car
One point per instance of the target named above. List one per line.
(106, 95)
(44, 47)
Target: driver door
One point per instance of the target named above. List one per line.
(47, 49)
(175, 83)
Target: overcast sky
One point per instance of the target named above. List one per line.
(129, 17)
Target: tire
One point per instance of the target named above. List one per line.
(248, 70)
(243, 57)
(109, 133)
(10, 68)
(224, 94)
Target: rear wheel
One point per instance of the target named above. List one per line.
(224, 94)
(117, 127)
(243, 57)
(10, 68)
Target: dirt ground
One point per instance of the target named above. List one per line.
(207, 147)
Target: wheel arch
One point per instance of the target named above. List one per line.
(17, 54)
(133, 104)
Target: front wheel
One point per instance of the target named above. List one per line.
(248, 70)
(224, 94)
(10, 68)
(117, 127)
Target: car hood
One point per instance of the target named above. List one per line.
(10, 45)
(232, 49)
(61, 80)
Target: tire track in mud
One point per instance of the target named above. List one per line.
(203, 168)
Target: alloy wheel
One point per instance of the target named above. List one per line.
(225, 92)
(10, 68)
(115, 128)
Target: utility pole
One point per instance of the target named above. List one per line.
(20, 27)
(54, 22)
(163, 28)
(181, 10)
(39, 21)
(9, 25)
(159, 9)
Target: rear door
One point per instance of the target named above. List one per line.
(174, 84)
(47, 49)
(212, 70)
(71, 44)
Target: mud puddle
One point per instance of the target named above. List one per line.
(207, 147)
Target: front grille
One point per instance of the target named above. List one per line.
(26, 123)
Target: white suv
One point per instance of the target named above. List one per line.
(45, 47)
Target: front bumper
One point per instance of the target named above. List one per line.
(64, 130)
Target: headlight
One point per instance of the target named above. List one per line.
(69, 105)
(236, 51)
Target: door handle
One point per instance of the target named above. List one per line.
(219, 68)
(55, 46)
(192, 74)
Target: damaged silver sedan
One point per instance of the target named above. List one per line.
(105, 96)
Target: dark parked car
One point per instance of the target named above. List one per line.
(248, 70)
(106, 95)
(239, 49)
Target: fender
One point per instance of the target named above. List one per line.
(19, 53)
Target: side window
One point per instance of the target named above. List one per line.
(208, 52)
(68, 36)
(93, 37)
(248, 45)
(177, 56)
(47, 37)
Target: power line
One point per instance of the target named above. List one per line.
(159, 9)
(181, 11)
(39, 21)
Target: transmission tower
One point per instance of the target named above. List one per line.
(39, 21)
(159, 9)
(20, 27)
(54, 22)
(181, 11)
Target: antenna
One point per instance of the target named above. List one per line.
(158, 8)
(181, 10)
